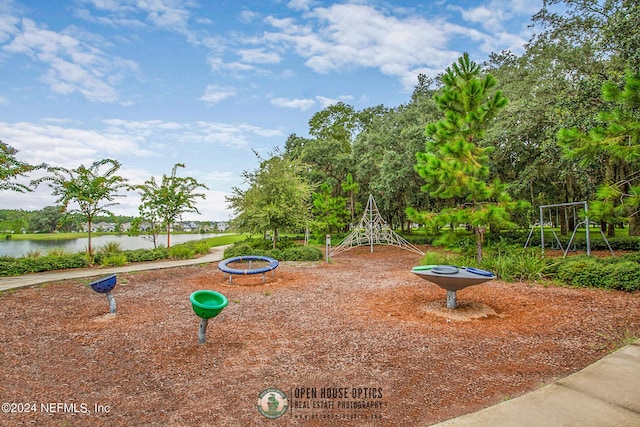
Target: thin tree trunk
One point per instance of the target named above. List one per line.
(634, 226)
(89, 249)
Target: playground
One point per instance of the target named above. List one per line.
(361, 322)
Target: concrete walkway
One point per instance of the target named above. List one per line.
(215, 254)
(606, 393)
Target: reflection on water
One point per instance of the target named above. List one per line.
(19, 248)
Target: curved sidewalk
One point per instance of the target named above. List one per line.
(606, 393)
(215, 254)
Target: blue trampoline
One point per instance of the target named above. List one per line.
(226, 269)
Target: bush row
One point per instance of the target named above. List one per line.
(10, 266)
(287, 250)
(17, 266)
(621, 272)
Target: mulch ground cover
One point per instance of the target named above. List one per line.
(360, 341)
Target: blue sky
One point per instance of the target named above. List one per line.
(153, 83)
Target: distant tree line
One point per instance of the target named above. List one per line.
(482, 144)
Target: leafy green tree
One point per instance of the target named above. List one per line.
(46, 220)
(329, 212)
(277, 197)
(14, 221)
(557, 84)
(591, 37)
(384, 154)
(351, 188)
(613, 145)
(454, 165)
(165, 202)
(11, 169)
(91, 189)
(338, 122)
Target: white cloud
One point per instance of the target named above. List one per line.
(497, 15)
(74, 66)
(326, 102)
(214, 93)
(167, 14)
(217, 64)
(259, 56)
(489, 18)
(298, 104)
(302, 5)
(68, 147)
(348, 36)
(248, 16)
(198, 144)
(8, 27)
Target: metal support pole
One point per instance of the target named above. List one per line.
(202, 331)
(371, 223)
(586, 224)
(452, 301)
(112, 303)
(541, 231)
(327, 247)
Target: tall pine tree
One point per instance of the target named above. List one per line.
(454, 163)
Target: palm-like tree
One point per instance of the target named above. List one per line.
(90, 189)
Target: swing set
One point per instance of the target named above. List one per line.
(586, 223)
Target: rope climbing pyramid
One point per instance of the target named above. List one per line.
(373, 230)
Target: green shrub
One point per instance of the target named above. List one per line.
(418, 240)
(624, 276)
(442, 258)
(110, 248)
(634, 257)
(181, 252)
(17, 266)
(611, 272)
(274, 253)
(291, 252)
(302, 253)
(33, 254)
(581, 271)
(238, 249)
(201, 247)
(57, 252)
(141, 255)
(517, 265)
(114, 260)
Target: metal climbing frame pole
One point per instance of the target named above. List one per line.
(586, 224)
(556, 205)
(541, 230)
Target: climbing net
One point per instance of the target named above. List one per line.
(373, 230)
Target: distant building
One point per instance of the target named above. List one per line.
(103, 227)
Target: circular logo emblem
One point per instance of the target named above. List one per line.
(272, 403)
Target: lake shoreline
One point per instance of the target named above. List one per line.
(78, 242)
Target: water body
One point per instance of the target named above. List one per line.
(20, 248)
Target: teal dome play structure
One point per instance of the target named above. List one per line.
(452, 278)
